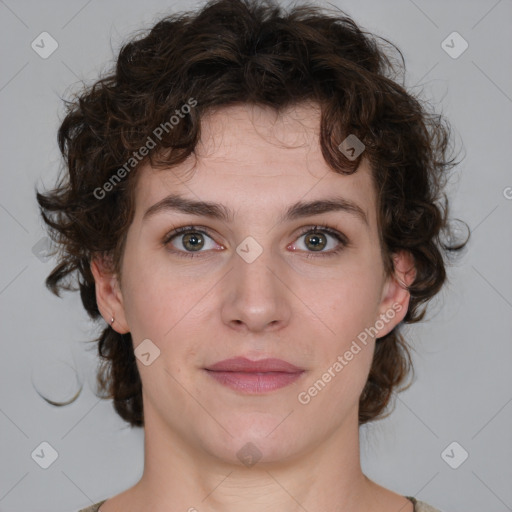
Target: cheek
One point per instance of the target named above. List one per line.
(159, 302)
(149, 300)
(348, 307)
(350, 301)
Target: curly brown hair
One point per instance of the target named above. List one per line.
(248, 51)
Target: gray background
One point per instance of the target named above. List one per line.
(463, 386)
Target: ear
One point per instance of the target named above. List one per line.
(108, 294)
(395, 296)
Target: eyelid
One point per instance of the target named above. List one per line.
(184, 229)
(327, 229)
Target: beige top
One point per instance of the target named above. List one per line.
(419, 506)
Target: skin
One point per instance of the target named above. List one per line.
(201, 310)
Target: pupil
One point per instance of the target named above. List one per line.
(315, 239)
(193, 239)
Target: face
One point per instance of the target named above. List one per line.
(258, 283)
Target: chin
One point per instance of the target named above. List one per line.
(258, 438)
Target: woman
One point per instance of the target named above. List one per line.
(254, 207)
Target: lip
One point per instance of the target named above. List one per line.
(254, 377)
(242, 364)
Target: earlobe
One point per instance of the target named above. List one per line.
(395, 298)
(108, 295)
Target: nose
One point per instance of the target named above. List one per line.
(257, 298)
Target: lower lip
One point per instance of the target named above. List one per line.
(255, 383)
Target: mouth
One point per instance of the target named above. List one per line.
(254, 377)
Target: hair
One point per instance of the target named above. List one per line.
(249, 52)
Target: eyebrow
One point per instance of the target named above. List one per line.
(177, 203)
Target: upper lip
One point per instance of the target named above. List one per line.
(242, 364)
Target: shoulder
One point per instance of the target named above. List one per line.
(421, 506)
(93, 508)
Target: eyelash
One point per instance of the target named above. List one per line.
(343, 242)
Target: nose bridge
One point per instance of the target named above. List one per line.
(257, 297)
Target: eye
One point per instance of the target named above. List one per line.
(189, 240)
(316, 239)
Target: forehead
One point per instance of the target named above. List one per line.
(251, 155)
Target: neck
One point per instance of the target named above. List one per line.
(181, 475)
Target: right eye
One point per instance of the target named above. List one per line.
(189, 240)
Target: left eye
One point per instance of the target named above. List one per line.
(317, 239)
